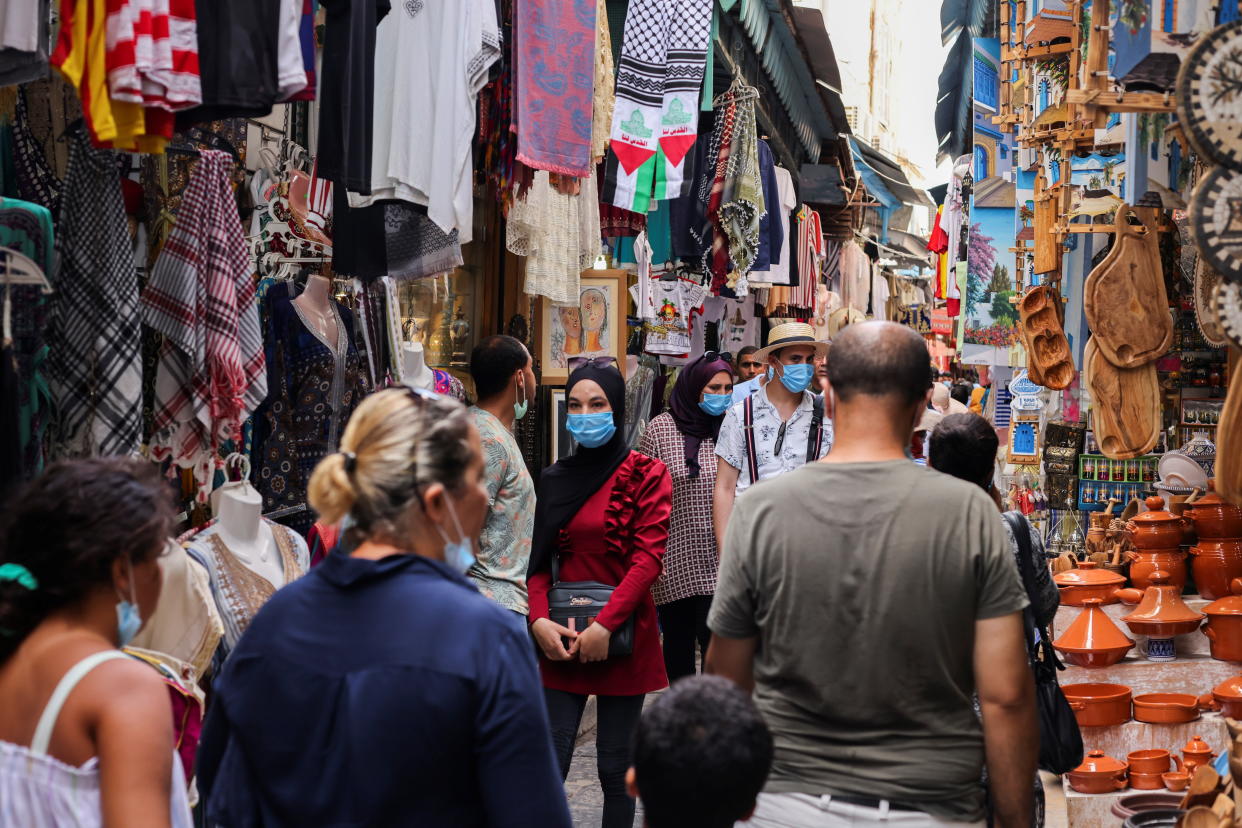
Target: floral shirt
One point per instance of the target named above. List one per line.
(731, 444)
(504, 545)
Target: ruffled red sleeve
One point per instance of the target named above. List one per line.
(636, 527)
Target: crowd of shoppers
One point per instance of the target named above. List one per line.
(432, 671)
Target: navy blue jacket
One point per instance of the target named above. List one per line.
(380, 693)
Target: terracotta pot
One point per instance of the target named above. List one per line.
(1214, 517)
(1146, 781)
(1098, 774)
(1131, 804)
(1228, 694)
(1152, 760)
(1088, 581)
(1177, 505)
(1215, 563)
(1143, 562)
(1224, 624)
(1162, 613)
(1155, 528)
(1098, 705)
(1176, 780)
(1093, 640)
(1197, 752)
(1166, 708)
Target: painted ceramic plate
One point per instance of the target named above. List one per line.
(1209, 95)
(1178, 469)
(1229, 310)
(1207, 282)
(1216, 221)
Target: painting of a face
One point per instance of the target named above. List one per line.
(571, 321)
(594, 309)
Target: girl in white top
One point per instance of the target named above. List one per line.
(86, 733)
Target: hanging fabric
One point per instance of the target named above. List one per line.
(201, 298)
(558, 233)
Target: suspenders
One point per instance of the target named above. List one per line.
(814, 438)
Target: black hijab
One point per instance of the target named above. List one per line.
(567, 484)
(694, 423)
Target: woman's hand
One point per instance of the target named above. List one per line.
(548, 634)
(593, 643)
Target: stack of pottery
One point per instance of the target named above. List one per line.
(1224, 625)
(1088, 581)
(1161, 615)
(1093, 640)
(1148, 767)
(1098, 774)
(1217, 556)
(1157, 536)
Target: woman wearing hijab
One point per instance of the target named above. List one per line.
(684, 439)
(603, 514)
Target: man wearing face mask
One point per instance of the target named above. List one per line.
(778, 428)
(504, 380)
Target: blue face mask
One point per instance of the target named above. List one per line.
(128, 618)
(797, 378)
(520, 408)
(715, 404)
(458, 554)
(592, 430)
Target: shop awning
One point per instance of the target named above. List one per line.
(888, 174)
(813, 32)
(910, 243)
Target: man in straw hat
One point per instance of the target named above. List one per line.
(776, 429)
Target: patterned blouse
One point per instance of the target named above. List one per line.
(690, 560)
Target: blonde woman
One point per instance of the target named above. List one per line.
(382, 688)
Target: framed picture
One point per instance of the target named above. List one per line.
(1024, 440)
(560, 444)
(595, 327)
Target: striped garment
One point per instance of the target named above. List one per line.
(201, 298)
(152, 53)
(95, 362)
(811, 255)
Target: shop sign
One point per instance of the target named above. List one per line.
(917, 318)
(941, 322)
(1026, 394)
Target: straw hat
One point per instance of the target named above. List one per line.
(791, 333)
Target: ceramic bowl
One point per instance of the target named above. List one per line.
(1146, 781)
(1180, 471)
(1152, 760)
(1166, 708)
(1098, 705)
(1176, 780)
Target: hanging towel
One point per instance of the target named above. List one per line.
(555, 70)
(211, 371)
(95, 365)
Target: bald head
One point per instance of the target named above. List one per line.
(879, 359)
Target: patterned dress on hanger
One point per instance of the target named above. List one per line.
(313, 387)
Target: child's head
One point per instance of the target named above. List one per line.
(701, 755)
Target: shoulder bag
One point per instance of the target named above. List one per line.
(1060, 740)
(575, 604)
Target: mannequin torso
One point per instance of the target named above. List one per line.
(315, 303)
(240, 526)
(416, 373)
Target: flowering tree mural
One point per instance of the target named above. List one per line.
(980, 262)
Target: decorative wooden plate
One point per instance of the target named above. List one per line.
(1216, 221)
(1207, 283)
(1125, 405)
(1048, 356)
(1229, 311)
(1209, 95)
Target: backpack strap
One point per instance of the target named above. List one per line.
(815, 437)
(748, 428)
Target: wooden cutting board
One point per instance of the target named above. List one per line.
(1125, 405)
(1229, 439)
(1125, 300)
(1048, 358)
(1047, 250)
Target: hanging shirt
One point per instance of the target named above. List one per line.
(431, 60)
(238, 48)
(731, 444)
(673, 301)
(291, 74)
(778, 211)
(24, 41)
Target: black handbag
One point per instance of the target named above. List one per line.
(1060, 740)
(576, 604)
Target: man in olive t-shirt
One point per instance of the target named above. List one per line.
(866, 599)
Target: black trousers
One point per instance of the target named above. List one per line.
(614, 736)
(684, 622)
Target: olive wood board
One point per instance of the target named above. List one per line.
(1049, 359)
(1125, 405)
(1229, 445)
(1125, 299)
(1047, 249)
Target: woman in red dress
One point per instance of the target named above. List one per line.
(603, 513)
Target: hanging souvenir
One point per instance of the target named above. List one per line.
(1207, 284)
(1209, 95)
(1229, 311)
(1216, 219)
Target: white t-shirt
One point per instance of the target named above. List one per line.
(292, 75)
(431, 60)
(19, 24)
(778, 274)
(673, 302)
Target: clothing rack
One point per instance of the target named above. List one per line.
(18, 269)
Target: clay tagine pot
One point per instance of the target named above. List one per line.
(1224, 625)
(1215, 517)
(1093, 640)
(1161, 612)
(1155, 529)
(1088, 581)
(1228, 695)
(1215, 563)
(1195, 753)
(1098, 774)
